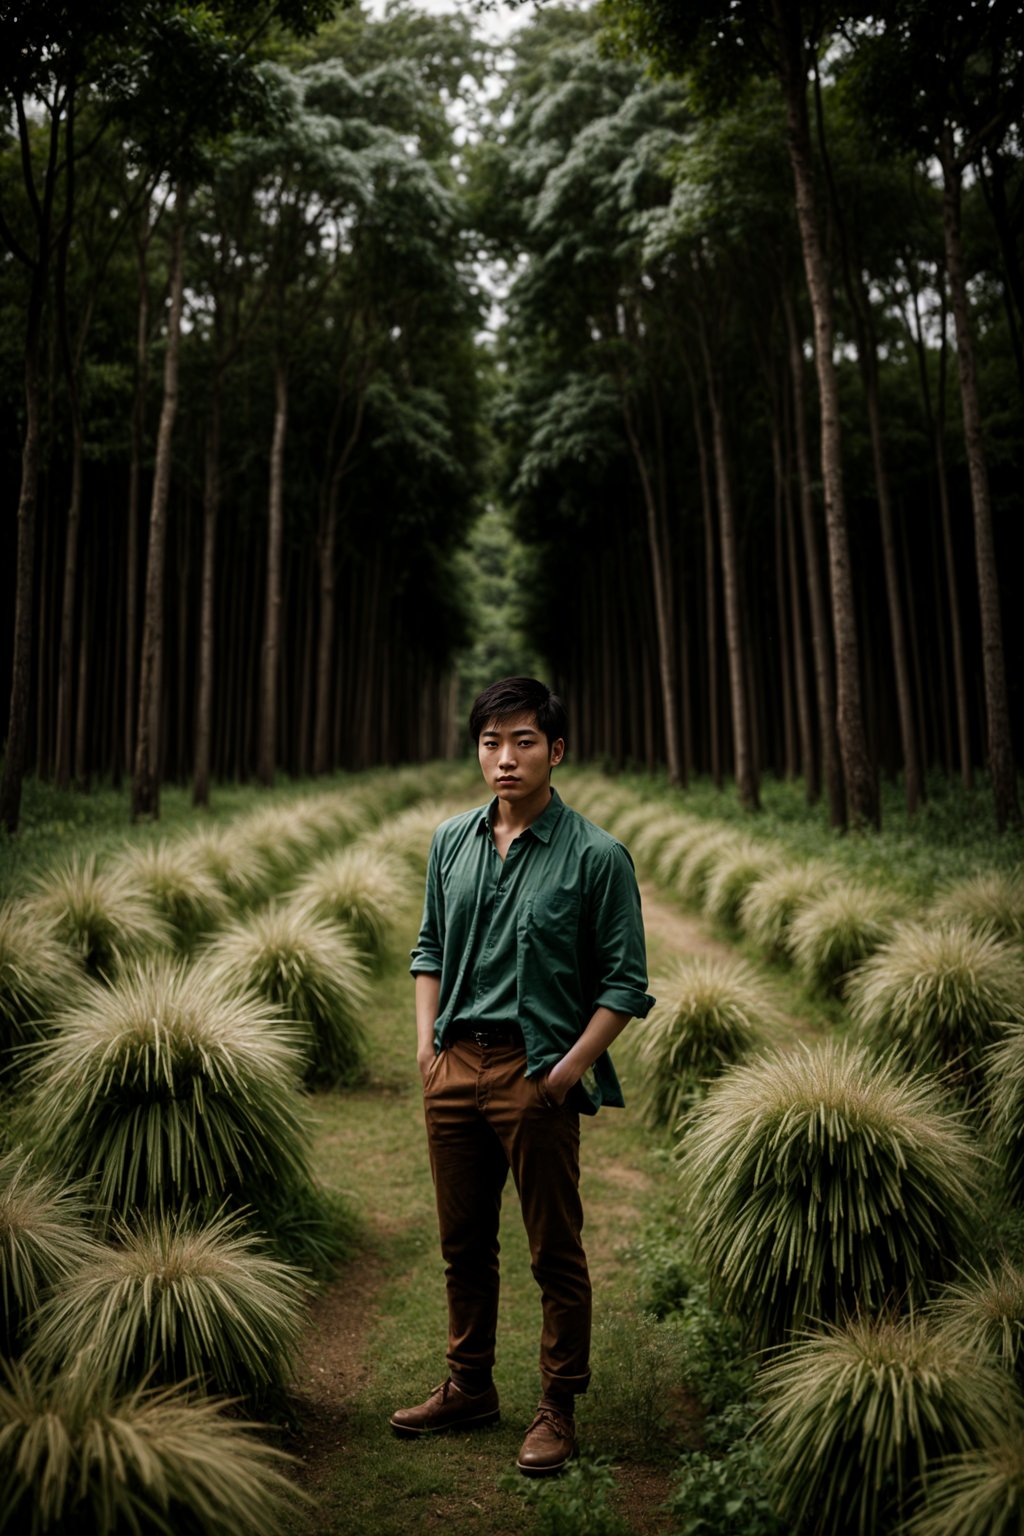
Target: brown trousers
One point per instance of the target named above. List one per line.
(483, 1118)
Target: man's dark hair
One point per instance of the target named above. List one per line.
(512, 696)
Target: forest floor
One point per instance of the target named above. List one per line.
(376, 1335)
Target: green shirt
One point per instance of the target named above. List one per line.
(543, 939)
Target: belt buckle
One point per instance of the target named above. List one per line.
(482, 1038)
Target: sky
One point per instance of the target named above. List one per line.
(496, 23)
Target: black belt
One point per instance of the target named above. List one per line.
(510, 1035)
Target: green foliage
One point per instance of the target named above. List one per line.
(358, 889)
(573, 1504)
(104, 915)
(44, 1237)
(993, 901)
(710, 1014)
(307, 969)
(37, 977)
(630, 1404)
(985, 1313)
(855, 1416)
(723, 1495)
(830, 935)
(936, 993)
(979, 1493)
(823, 1182)
(76, 1457)
(173, 1300)
(180, 885)
(164, 1090)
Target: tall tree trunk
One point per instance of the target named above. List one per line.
(131, 589)
(271, 649)
(820, 637)
(208, 579)
(146, 777)
(861, 779)
(1000, 748)
(744, 766)
(785, 645)
(662, 602)
(805, 727)
(82, 709)
(710, 582)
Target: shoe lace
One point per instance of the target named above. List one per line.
(561, 1423)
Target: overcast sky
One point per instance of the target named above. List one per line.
(497, 23)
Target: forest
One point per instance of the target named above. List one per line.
(702, 341)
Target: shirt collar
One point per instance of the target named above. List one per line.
(542, 828)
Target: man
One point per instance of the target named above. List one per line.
(530, 962)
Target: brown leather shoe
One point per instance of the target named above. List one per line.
(447, 1408)
(550, 1443)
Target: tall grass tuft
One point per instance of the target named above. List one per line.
(710, 1014)
(824, 1182)
(648, 843)
(76, 1457)
(985, 1313)
(978, 1493)
(177, 1299)
(37, 976)
(285, 837)
(407, 836)
(180, 885)
(166, 1089)
(731, 876)
(830, 935)
(44, 1237)
(358, 888)
(1004, 1069)
(856, 1416)
(244, 872)
(992, 902)
(935, 993)
(701, 855)
(675, 847)
(771, 902)
(105, 916)
(310, 972)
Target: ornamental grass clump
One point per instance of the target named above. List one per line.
(176, 1299)
(984, 1311)
(358, 888)
(77, 1458)
(181, 887)
(831, 934)
(857, 1416)
(992, 902)
(770, 904)
(406, 837)
(936, 993)
(825, 1182)
(245, 873)
(1004, 1071)
(978, 1493)
(38, 975)
(166, 1089)
(285, 837)
(709, 1015)
(310, 972)
(731, 876)
(44, 1237)
(675, 847)
(646, 846)
(105, 916)
(701, 856)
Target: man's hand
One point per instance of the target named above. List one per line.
(425, 1060)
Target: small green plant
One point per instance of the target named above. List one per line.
(771, 902)
(710, 1014)
(44, 1237)
(713, 1362)
(822, 1182)
(310, 971)
(978, 1493)
(935, 993)
(629, 1406)
(38, 975)
(830, 935)
(164, 1089)
(176, 1299)
(104, 916)
(725, 1495)
(359, 889)
(180, 885)
(732, 875)
(989, 903)
(855, 1417)
(76, 1456)
(573, 1504)
(985, 1312)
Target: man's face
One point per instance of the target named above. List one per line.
(515, 757)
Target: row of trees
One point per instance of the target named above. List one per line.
(742, 559)
(298, 415)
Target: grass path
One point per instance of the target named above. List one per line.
(376, 1336)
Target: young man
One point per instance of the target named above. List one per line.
(530, 962)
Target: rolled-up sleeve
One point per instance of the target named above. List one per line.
(426, 959)
(618, 936)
